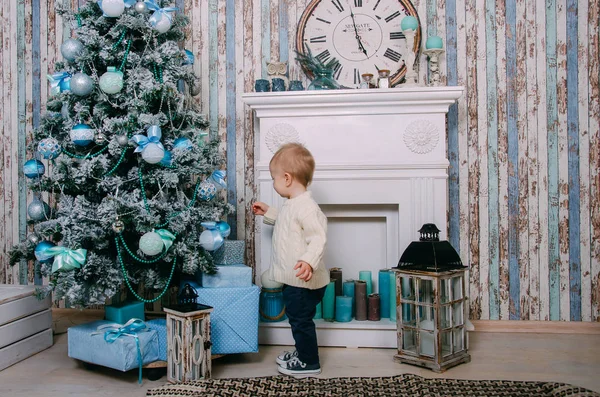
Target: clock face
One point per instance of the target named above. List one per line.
(363, 35)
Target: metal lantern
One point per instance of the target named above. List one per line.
(188, 341)
(430, 292)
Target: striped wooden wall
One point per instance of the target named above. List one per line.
(523, 144)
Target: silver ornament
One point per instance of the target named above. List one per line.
(118, 226)
(71, 49)
(122, 140)
(100, 138)
(140, 7)
(38, 211)
(34, 238)
(195, 88)
(81, 84)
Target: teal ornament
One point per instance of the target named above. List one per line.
(409, 23)
(33, 168)
(66, 259)
(161, 19)
(167, 159)
(111, 82)
(182, 143)
(150, 146)
(71, 49)
(211, 239)
(82, 134)
(49, 148)
(81, 84)
(59, 82)
(218, 177)
(189, 58)
(41, 251)
(151, 244)
(207, 190)
(38, 210)
(434, 42)
(223, 228)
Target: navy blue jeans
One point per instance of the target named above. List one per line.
(300, 307)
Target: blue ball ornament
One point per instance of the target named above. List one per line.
(41, 251)
(183, 143)
(38, 210)
(224, 228)
(207, 191)
(82, 135)
(49, 148)
(33, 168)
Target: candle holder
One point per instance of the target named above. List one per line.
(366, 83)
(411, 76)
(433, 54)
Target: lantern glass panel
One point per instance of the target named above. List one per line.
(445, 290)
(425, 291)
(409, 316)
(459, 339)
(409, 340)
(446, 343)
(457, 288)
(408, 289)
(426, 317)
(426, 343)
(457, 314)
(445, 316)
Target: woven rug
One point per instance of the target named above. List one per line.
(393, 386)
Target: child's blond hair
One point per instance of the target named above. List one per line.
(296, 160)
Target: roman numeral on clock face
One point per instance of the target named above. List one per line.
(394, 15)
(357, 3)
(337, 70)
(376, 5)
(397, 35)
(338, 5)
(393, 55)
(323, 20)
(318, 39)
(322, 57)
(356, 76)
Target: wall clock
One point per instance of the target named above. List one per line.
(364, 35)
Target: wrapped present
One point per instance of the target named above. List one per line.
(234, 320)
(228, 276)
(122, 312)
(231, 253)
(160, 326)
(118, 346)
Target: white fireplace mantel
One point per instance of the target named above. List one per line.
(381, 173)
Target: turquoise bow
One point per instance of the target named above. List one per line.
(218, 177)
(167, 237)
(154, 135)
(128, 3)
(130, 328)
(159, 13)
(189, 58)
(57, 80)
(66, 259)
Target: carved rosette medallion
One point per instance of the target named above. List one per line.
(280, 134)
(421, 136)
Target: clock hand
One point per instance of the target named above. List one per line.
(360, 45)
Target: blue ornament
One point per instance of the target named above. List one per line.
(41, 252)
(82, 134)
(167, 159)
(224, 228)
(207, 190)
(38, 210)
(211, 239)
(183, 143)
(49, 148)
(81, 84)
(34, 168)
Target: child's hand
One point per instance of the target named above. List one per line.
(306, 271)
(259, 208)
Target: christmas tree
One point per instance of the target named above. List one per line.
(124, 153)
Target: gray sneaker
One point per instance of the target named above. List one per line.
(284, 357)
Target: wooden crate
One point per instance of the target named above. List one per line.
(25, 324)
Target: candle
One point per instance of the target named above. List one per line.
(329, 302)
(384, 292)
(360, 299)
(409, 23)
(434, 42)
(335, 274)
(365, 275)
(349, 291)
(343, 309)
(393, 304)
(319, 311)
(373, 308)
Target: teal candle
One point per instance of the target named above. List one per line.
(365, 275)
(393, 308)
(319, 313)
(329, 302)
(384, 293)
(349, 291)
(434, 42)
(343, 309)
(409, 23)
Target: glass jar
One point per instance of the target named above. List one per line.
(384, 78)
(271, 307)
(324, 81)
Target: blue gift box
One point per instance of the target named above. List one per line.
(234, 320)
(122, 312)
(160, 326)
(228, 276)
(87, 344)
(231, 253)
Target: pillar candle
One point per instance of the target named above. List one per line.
(384, 292)
(329, 302)
(335, 274)
(360, 299)
(343, 309)
(319, 312)
(349, 291)
(365, 275)
(393, 307)
(373, 308)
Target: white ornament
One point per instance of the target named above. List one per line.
(421, 136)
(160, 22)
(113, 8)
(153, 153)
(151, 244)
(280, 134)
(266, 279)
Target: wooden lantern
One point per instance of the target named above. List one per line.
(189, 343)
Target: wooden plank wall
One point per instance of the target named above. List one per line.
(523, 143)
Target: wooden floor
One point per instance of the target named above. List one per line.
(565, 358)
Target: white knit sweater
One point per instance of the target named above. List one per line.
(300, 235)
